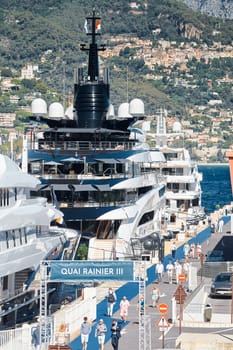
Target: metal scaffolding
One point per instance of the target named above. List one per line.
(144, 320)
(45, 321)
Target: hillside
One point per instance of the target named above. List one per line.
(215, 8)
(49, 34)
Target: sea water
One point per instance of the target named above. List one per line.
(216, 186)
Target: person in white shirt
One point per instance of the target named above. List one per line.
(160, 271)
(178, 269)
(169, 269)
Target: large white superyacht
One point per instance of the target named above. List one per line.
(91, 162)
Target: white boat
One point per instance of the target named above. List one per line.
(26, 232)
(183, 180)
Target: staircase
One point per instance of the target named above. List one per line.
(101, 249)
(20, 278)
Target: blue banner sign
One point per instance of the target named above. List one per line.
(91, 270)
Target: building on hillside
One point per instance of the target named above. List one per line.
(7, 120)
(27, 72)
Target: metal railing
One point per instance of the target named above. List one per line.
(81, 145)
(18, 338)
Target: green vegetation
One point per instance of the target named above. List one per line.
(48, 33)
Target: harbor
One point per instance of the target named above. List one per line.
(99, 200)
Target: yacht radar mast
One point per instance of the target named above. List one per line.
(91, 100)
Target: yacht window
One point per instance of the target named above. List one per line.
(20, 237)
(7, 239)
(5, 283)
(25, 235)
(4, 197)
(146, 217)
(161, 191)
(13, 237)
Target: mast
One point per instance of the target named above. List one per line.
(91, 100)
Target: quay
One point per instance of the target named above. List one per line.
(193, 311)
(194, 304)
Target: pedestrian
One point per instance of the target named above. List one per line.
(173, 250)
(199, 250)
(186, 250)
(111, 300)
(124, 307)
(115, 334)
(36, 336)
(178, 269)
(186, 269)
(220, 225)
(192, 250)
(170, 268)
(141, 305)
(160, 270)
(100, 332)
(85, 330)
(155, 295)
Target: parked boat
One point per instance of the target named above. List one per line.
(27, 235)
(93, 164)
(183, 180)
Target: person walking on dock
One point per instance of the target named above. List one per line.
(173, 250)
(124, 307)
(111, 300)
(100, 332)
(192, 250)
(36, 336)
(170, 268)
(178, 269)
(85, 330)
(115, 334)
(186, 250)
(155, 295)
(160, 270)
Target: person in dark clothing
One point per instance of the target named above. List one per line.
(116, 334)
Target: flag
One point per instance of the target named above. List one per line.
(85, 26)
(98, 25)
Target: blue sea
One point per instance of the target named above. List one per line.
(216, 186)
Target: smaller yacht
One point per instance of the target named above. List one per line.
(183, 180)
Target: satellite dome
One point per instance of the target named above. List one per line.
(39, 106)
(56, 111)
(123, 111)
(69, 113)
(136, 107)
(176, 127)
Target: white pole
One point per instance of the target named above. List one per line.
(25, 155)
